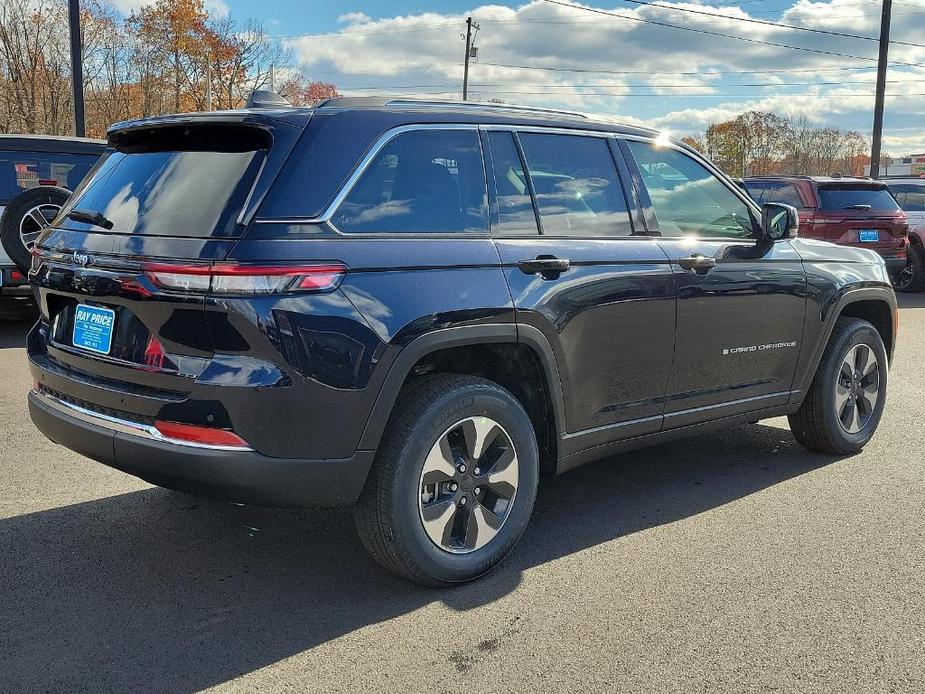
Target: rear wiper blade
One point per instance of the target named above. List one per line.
(865, 208)
(90, 217)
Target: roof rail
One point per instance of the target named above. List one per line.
(383, 102)
(484, 105)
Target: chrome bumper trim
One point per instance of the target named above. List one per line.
(124, 426)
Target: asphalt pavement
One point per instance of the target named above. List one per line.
(734, 561)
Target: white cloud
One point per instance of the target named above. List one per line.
(422, 55)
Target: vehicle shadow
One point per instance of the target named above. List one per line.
(159, 591)
(13, 333)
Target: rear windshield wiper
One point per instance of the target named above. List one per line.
(90, 217)
(863, 208)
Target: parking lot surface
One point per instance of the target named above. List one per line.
(735, 561)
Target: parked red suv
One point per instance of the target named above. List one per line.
(848, 211)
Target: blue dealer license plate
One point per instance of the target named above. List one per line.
(93, 328)
(868, 236)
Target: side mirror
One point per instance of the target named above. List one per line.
(778, 221)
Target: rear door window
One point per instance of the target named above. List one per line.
(785, 193)
(856, 197)
(20, 171)
(515, 214)
(189, 182)
(911, 197)
(421, 181)
(578, 191)
(756, 191)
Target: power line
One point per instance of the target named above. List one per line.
(749, 20)
(651, 72)
(727, 36)
(347, 34)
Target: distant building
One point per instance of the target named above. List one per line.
(913, 165)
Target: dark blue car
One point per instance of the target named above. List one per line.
(420, 308)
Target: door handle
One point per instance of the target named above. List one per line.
(548, 266)
(701, 264)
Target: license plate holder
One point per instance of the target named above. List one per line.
(93, 328)
(868, 236)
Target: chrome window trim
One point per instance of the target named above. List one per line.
(124, 426)
(360, 169)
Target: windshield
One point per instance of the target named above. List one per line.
(172, 191)
(847, 197)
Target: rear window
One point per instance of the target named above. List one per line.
(20, 171)
(847, 197)
(189, 182)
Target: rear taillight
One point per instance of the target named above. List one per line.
(228, 278)
(205, 436)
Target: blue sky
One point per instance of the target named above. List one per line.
(674, 79)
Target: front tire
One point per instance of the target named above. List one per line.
(454, 481)
(845, 401)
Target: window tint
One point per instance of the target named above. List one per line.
(577, 189)
(421, 181)
(687, 198)
(515, 213)
(846, 197)
(171, 193)
(785, 193)
(911, 197)
(22, 170)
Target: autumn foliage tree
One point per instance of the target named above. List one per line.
(164, 57)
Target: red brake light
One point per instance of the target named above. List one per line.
(207, 436)
(231, 278)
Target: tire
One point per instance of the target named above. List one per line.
(390, 513)
(817, 424)
(44, 202)
(912, 277)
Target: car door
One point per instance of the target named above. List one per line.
(741, 304)
(600, 294)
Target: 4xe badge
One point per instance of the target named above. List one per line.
(759, 348)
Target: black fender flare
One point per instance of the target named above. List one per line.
(834, 310)
(460, 336)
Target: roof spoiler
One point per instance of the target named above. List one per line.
(264, 98)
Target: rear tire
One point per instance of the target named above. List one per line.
(912, 277)
(841, 411)
(437, 419)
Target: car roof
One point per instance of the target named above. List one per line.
(52, 144)
(418, 111)
(906, 180)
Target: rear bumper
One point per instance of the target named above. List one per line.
(245, 477)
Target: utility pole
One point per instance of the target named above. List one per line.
(885, 13)
(470, 53)
(77, 70)
(272, 78)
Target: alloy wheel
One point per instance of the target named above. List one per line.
(35, 221)
(857, 388)
(468, 484)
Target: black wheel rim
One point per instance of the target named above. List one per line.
(857, 388)
(468, 484)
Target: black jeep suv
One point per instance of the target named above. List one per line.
(419, 308)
